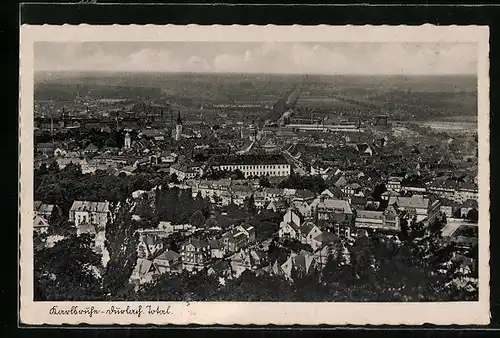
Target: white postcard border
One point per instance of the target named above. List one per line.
(227, 313)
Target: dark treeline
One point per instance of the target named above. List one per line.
(71, 269)
(179, 207)
(313, 183)
(82, 137)
(63, 186)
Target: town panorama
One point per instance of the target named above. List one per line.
(164, 186)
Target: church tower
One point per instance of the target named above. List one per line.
(178, 127)
(127, 141)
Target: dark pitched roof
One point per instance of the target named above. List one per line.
(304, 193)
(307, 227)
(359, 201)
(214, 244)
(259, 159)
(152, 239)
(87, 228)
(198, 243)
(169, 255)
(327, 237)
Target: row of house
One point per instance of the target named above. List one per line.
(449, 189)
(416, 207)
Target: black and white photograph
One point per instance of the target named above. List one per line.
(273, 171)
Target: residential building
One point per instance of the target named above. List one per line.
(417, 206)
(170, 228)
(324, 171)
(149, 244)
(272, 194)
(292, 216)
(91, 149)
(458, 192)
(43, 209)
(217, 250)
(333, 192)
(303, 195)
(58, 152)
(351, 189)
(277, 206)
(144, 272)
(254, 165)
(448, 207)
(443, 189)
(364, 149)
(467, 206)
(358, 203)
(289, 230)
(183, 171)
(95, 213)
(394, 184)
(378, 220)
(247, 259)
(325, 239)
(328, 209)
(195, 254)
(238, 238)
(86, 228)
(309, 231)
(466, 191)
(168, 261)
(40, 224)
(386, 195)
(284, 266)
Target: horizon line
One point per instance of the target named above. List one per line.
(249, 73)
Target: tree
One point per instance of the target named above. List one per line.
(121, 243)
(378, 191)
(197, 219)
(144, 209)
(264, 182)
(68, 271)
(473, 215)
(237, 175)
(249, 204)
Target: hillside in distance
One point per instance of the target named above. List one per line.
(420, 97)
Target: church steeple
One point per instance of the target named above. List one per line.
(179, 120)
(178, 127)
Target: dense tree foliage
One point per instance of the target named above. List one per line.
(264, 182)
(70, 270)
(83, 137)
(314, 183)
(121, 243)
(179, 207)
(63, 186)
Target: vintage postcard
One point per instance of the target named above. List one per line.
(254, 175)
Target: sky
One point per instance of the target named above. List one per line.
(259, 57)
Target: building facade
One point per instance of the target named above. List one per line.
(95, 213)
(255, 165)
(196, 254)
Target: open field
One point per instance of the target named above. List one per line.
(402, 97)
